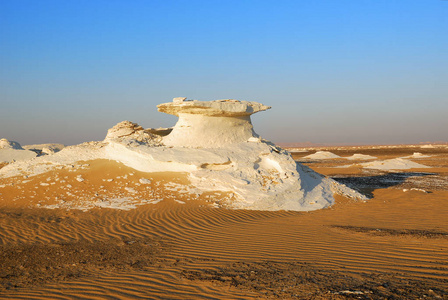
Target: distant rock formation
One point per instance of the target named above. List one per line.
(11, 151)
(393, 164)
(42, 149)
(5, 144)
(322, 155)
(358, 156)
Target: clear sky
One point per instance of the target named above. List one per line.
(334, 71)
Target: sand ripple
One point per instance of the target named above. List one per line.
(201, 244)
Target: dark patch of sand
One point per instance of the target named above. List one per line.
(303, 281)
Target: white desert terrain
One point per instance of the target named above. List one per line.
(211, 210)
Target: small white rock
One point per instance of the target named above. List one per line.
(144, 181)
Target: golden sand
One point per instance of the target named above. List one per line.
(394, 245)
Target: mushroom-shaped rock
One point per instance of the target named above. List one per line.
(210, 124)
(214, 143)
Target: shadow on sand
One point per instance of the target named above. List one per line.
(367, 184)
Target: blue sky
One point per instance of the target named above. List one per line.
(346, 72)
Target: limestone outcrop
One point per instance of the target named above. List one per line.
(6, 144)
(216, 108)
(42, 149)
(210, 124)
(11, 151)
(215, 145)
(132, 134)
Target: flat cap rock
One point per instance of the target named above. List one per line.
(216, 108)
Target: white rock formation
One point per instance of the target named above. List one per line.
(132, 134)
(123, 129)
(322, 155)
(5, 144)
(45, 148)
(417, 155)
(393, 164)
(358, 156)
(12, 151)
(210, 124)
(214, 143)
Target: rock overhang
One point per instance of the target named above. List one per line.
(214, 143)
(216, 108)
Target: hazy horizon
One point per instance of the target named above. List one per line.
(334, 72)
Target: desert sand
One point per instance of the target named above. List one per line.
(394, 245)
(210, 210)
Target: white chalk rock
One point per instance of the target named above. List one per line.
(214, 142)
(393, 164)
(122, 129)
(417, 155)
(215, 145)
(45, 148)
(10, 155)
(210, 124)
(12, 151)
(358, 156)
(322, 155)
(179, 99)
(131, 134)
(5, 144)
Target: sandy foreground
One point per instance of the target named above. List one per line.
(173, 244)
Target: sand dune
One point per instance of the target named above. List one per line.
(200, 238)
(170, 243)
(394, 245)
